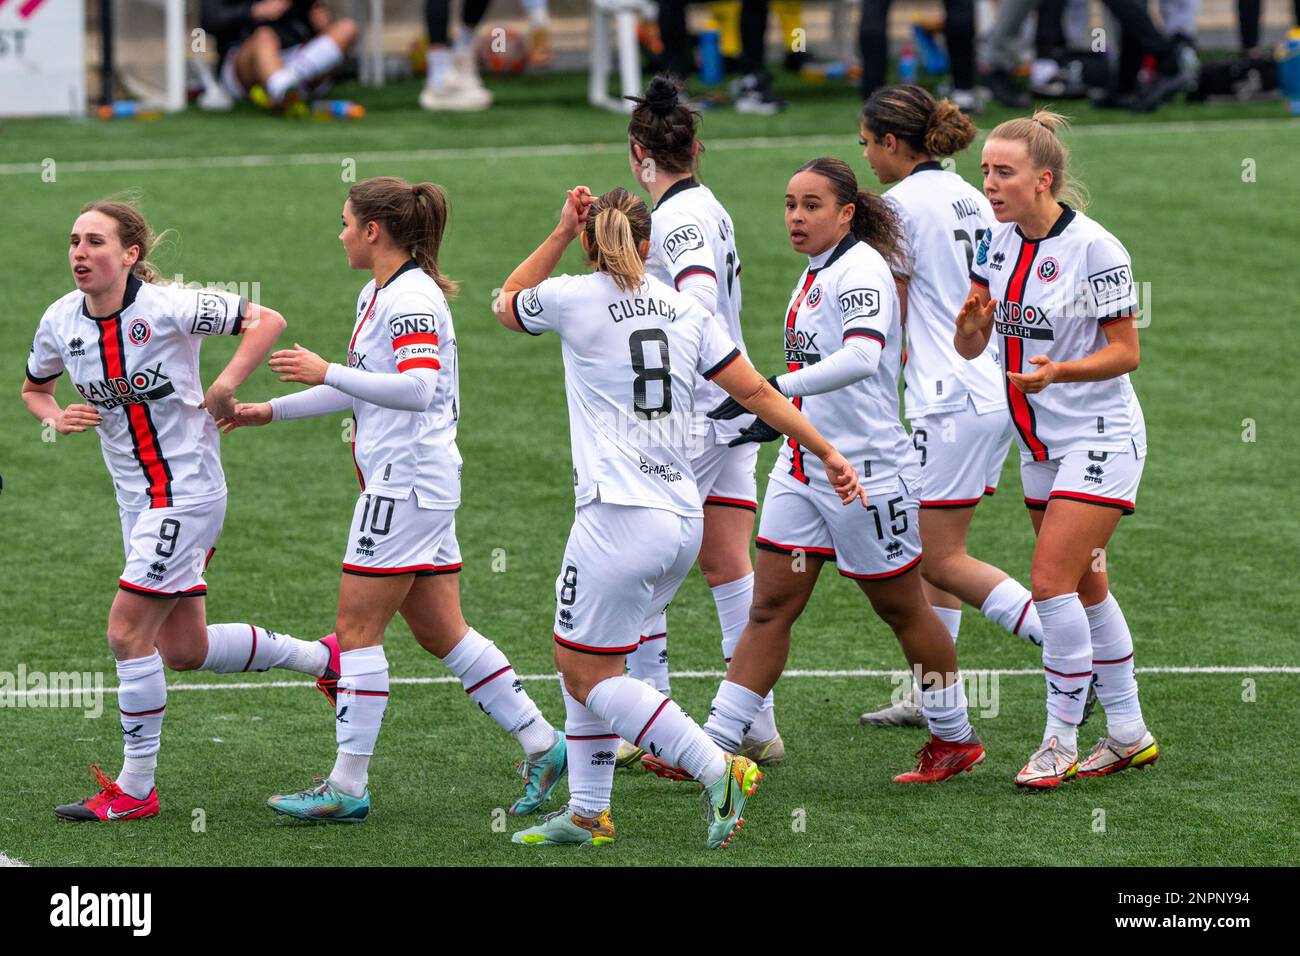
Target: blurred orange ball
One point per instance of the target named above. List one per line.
(502, 50)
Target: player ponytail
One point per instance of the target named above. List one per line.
(927, 126)
(413, 216)
(1041, 134)
(665, 127)
(132, 230)
(874, 220)
(618, 223)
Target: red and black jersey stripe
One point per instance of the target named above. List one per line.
(796, 452)
(370, 310)
(144, 435)
(1022, 411)
(693, 271)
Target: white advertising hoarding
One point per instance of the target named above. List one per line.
(42, 58)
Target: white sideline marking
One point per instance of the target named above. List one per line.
(10, 861)
(480, 153)
(687, 675)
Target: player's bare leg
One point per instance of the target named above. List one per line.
(432, 611)
(783, 583)
(953, 746)
(258, 58)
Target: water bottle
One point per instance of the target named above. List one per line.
(907, 65)
(337, 109)
(711, 56)
(1288, 70)
(126, 109)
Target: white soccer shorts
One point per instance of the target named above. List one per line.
(1109, 479)
(168, 549)
(869, 544)
(397, 536)
(622, 565)
(961, 455)
(725, 476)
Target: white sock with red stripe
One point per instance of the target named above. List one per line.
(315, 58)
(945, 711)
(732, 715)
(733, 600)
(1067, 664)
(234, 648)
(1112, 668)
(646, 718)
(141, 701)
(358, 714)
(1011, 607)
(491, 683)
(649, 662)
(951, 617)
(592, 746)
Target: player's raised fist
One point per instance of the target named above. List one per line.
(77, 418)
(573, 217)
(974, 317)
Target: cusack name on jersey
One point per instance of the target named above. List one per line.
(641, 306)
(145, 385)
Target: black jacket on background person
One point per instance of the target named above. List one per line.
(230, 22)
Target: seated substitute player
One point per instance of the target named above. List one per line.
(131, 347)
(843, 345)
(693, 249)
(1057, 289)
(277, 52)
(957, 409)
(633, 350)
(402, 384)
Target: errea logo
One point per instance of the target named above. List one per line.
(76, 909)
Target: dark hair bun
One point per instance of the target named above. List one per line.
(661, 96)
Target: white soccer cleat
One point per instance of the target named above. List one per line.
(1111, 756)
(765, 753)
(1049, 767)
(905, 713)
(453, 98)
(629, 755)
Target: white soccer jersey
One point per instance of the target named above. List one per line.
(1054, 295)
(944, 219)
(632, 361)
(139, 368)
(848, 291)
(405, 325)
(692, 235)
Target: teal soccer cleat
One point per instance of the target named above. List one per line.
(541, 776)
(323, 803)
(723, 802)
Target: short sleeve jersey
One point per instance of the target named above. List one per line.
(848, 291)
(139, 368)
(692, 235)
(632, 361)
(944, 219)
(402, 326)
(1055, 295)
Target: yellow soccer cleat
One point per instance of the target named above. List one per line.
(1111, 756)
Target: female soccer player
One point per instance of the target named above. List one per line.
(843, 342)
(131, 347)
(634, 349)
(957, 409)
(1057, 289)
(693, 249)
(401, 381)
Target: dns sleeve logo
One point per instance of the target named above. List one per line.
(210, 319)
(859, 303)
(1113, 285)
(683, 239)
(530, 303)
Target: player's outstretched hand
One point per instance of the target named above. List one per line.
(759, 431)
(299, 365)
(973, 317)
(573, 217)
(1033, 382)
(844, 479)
(729, 408)
(77, 418)
(246, 414)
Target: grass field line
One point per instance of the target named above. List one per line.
(681, 675)
(10, 861)
(479, 153)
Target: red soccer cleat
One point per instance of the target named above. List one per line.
(663, 769)
(109, 804)
(940, 759)
(328, 683)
